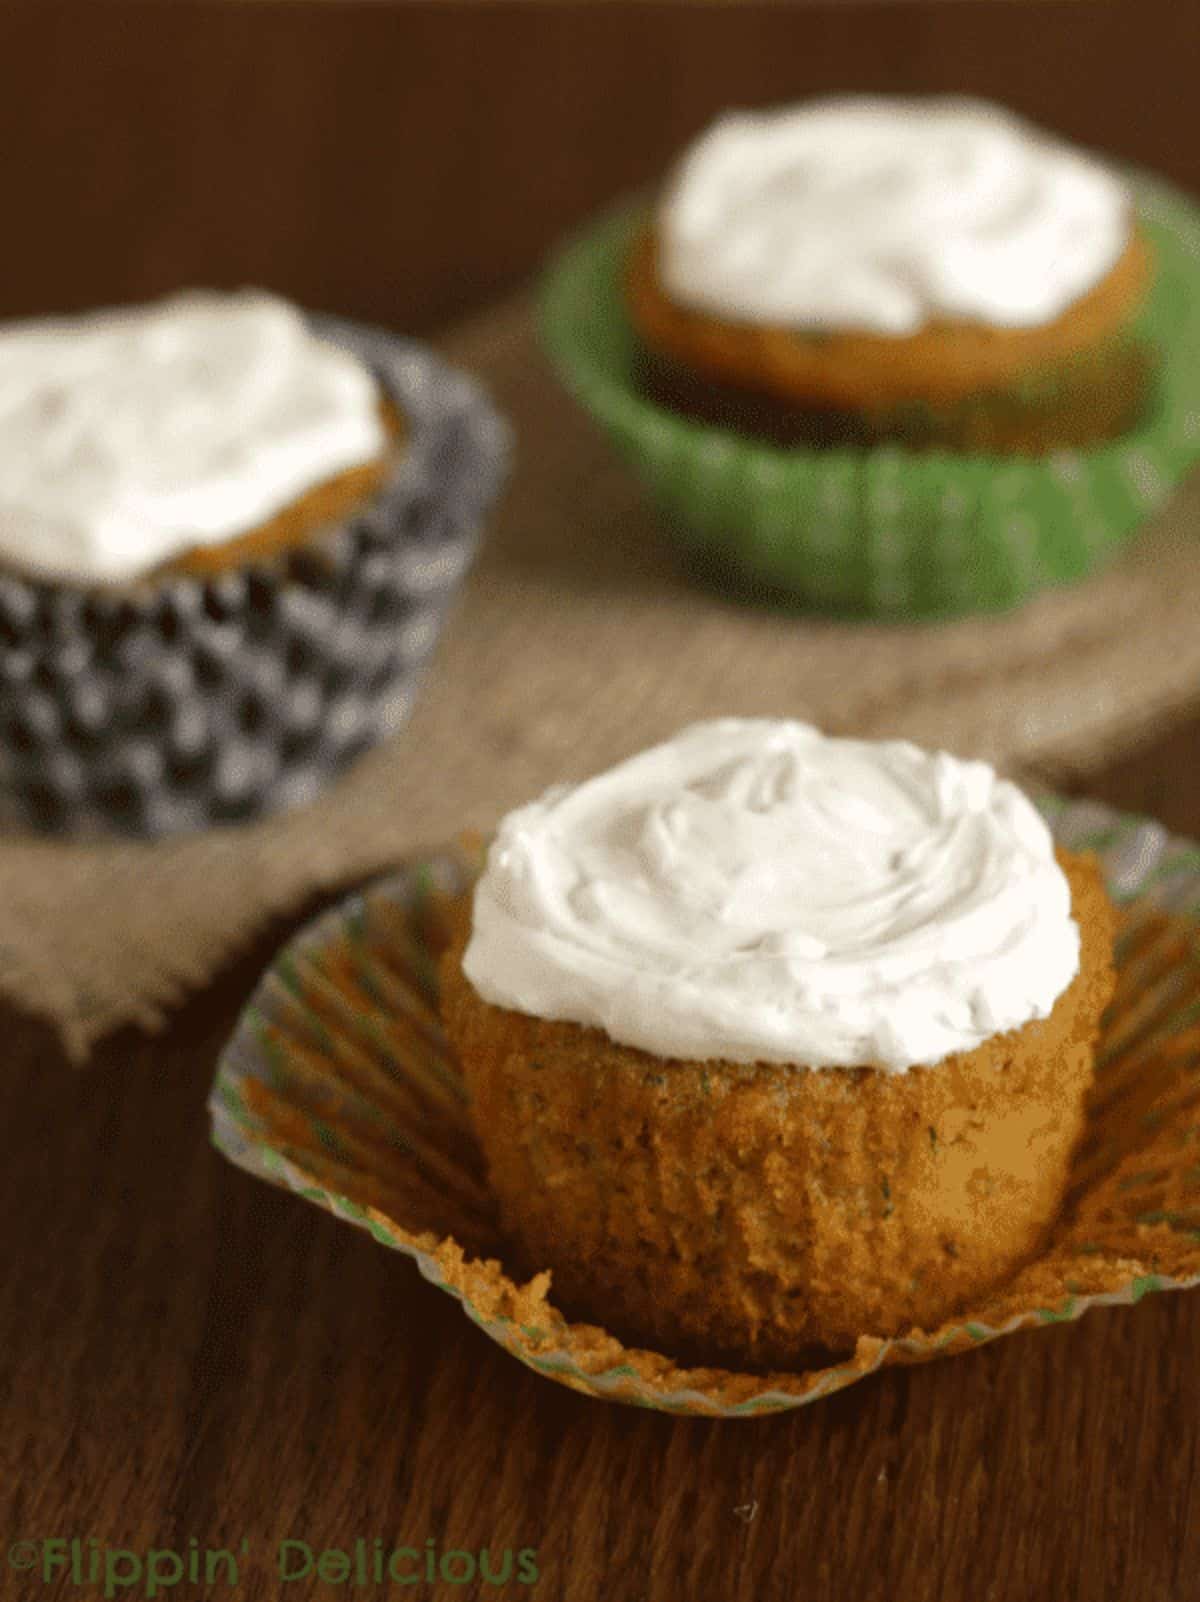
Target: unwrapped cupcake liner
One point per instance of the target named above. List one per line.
(884, 530)
(187, 701)
(339, 1085)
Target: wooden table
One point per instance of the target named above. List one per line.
(187, 1354)
(407, 163)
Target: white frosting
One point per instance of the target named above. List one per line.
(756, 891)
(883, 215)
(129, 436)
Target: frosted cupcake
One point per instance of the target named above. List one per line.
(933, 272)
(890, 357)
(227, 532)
(777, 1040)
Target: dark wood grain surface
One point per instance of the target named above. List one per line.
(185, 1353)
(402, 162)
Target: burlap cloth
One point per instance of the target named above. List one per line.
(577, 640)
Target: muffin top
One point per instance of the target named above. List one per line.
(753, 890)
(885, 215)
(130, 435)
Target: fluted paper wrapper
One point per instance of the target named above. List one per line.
(881, 530)
(185, 701)
(339, 1085)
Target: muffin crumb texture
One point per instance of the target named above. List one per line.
(737, 1213)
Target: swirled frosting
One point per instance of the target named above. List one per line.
(129, 436)
(753, 890)
(885, 214)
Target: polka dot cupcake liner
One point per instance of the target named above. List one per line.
(339, 1085)
(193, 701)
(881, 530)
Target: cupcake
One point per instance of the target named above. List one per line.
(936, 273)
(228, 531)
(890, 358)
(774, 1040)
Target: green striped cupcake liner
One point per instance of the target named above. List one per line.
(338, 1085)
(881, 530)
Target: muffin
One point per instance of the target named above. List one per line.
(802, 462)
(228, 531)
(931, 272)
(774, 1040)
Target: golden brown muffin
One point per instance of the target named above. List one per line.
(1073, 381)
(744, 1212)
(328, 502)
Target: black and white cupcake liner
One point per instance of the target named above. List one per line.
(189, 701)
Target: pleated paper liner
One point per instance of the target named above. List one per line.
(880, 529)
(338, 1085)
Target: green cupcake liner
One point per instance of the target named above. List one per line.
(882, 530)
(339, 1086)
